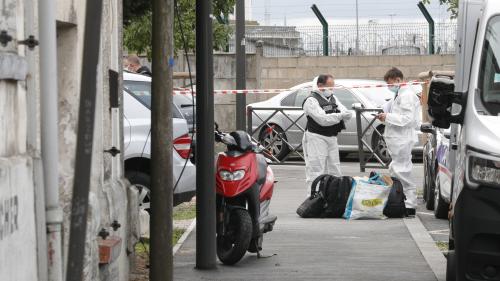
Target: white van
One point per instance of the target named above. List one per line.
(471, 103)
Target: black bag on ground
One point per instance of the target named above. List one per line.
(314, 205)
(336, 192)
(395, 207)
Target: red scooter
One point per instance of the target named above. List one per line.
(245, 185)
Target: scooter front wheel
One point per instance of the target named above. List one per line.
(232, 246)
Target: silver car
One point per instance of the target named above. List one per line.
(137, 141)
(291, 134)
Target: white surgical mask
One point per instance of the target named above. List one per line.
(394, 88)
(327, 93)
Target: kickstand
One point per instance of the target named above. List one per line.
(259, 256)
(257, 247)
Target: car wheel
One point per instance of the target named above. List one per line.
(274, 140)
(425, 182)
(431, 186)
(440, 206)
(143, 183)
(451, 269)
(380, 147)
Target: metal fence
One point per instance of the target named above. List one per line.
(374, 39)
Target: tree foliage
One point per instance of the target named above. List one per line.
(137, 21)
(452, 6)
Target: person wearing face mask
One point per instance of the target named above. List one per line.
(401, 117)
(325, 119)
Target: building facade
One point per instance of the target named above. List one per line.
(22, 196)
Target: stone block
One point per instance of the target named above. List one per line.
(377, 72)
(389, 61)
(410, 60)
(327, 62)
(287, 62)
(348, 61)
(268, 62)
(307, 62)
(431, 60)
(368, 61)
(449, 59)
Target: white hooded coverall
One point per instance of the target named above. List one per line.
(400, 134)
(321, 153)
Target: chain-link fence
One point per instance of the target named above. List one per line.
(373, 39)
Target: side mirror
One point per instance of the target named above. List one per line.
(357, 105)
(427, 128)
(216, 126)
(442, 96)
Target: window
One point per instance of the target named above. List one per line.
(302, 94)
(345, 97)
(289, 100)
(142, 92)
(489, 84)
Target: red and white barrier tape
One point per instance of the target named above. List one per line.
(273, 91)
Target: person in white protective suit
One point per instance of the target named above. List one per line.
(325, 115)
(402, 118)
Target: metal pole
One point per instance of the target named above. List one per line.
(161, 141)
(430, 20)
(50, 137)
(390, 36)
(205, 181)
(325, 28)
(357, 29)
(85, 136)
(240, 64)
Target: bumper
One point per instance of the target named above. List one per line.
(476, 231)
(187, 182)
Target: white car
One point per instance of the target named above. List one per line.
(137, 142)
(290, 135)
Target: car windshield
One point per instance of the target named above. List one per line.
(378, 96)
(141, 90)
(489, 84)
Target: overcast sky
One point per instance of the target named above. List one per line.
(298, 12)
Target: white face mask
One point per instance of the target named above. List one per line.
(394, 88)
(327, 93)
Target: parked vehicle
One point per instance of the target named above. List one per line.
(187, 106)
(437, 173)
(245, 186)
(347, 139)
(471, 103)
(137, 142)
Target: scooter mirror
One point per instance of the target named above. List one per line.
(216, 126)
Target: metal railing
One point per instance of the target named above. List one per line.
(364, 158)
(374, 39)
(278, 136)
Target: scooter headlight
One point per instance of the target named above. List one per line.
(483, 169)
(228, 176)
(238, 175)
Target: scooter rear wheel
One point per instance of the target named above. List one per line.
(232, 246)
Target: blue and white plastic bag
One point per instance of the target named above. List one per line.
(367, 199)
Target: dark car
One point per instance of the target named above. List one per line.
(437, 174)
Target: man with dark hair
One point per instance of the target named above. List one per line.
(325, 115)
(133, 64)
(401, 119)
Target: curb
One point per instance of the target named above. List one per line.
(184, 236)
(432, 255)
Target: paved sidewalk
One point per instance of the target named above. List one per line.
(318, 249)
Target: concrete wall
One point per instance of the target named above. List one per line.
(287, 72)
(108, 190)
(22, 206)
(18, 236)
